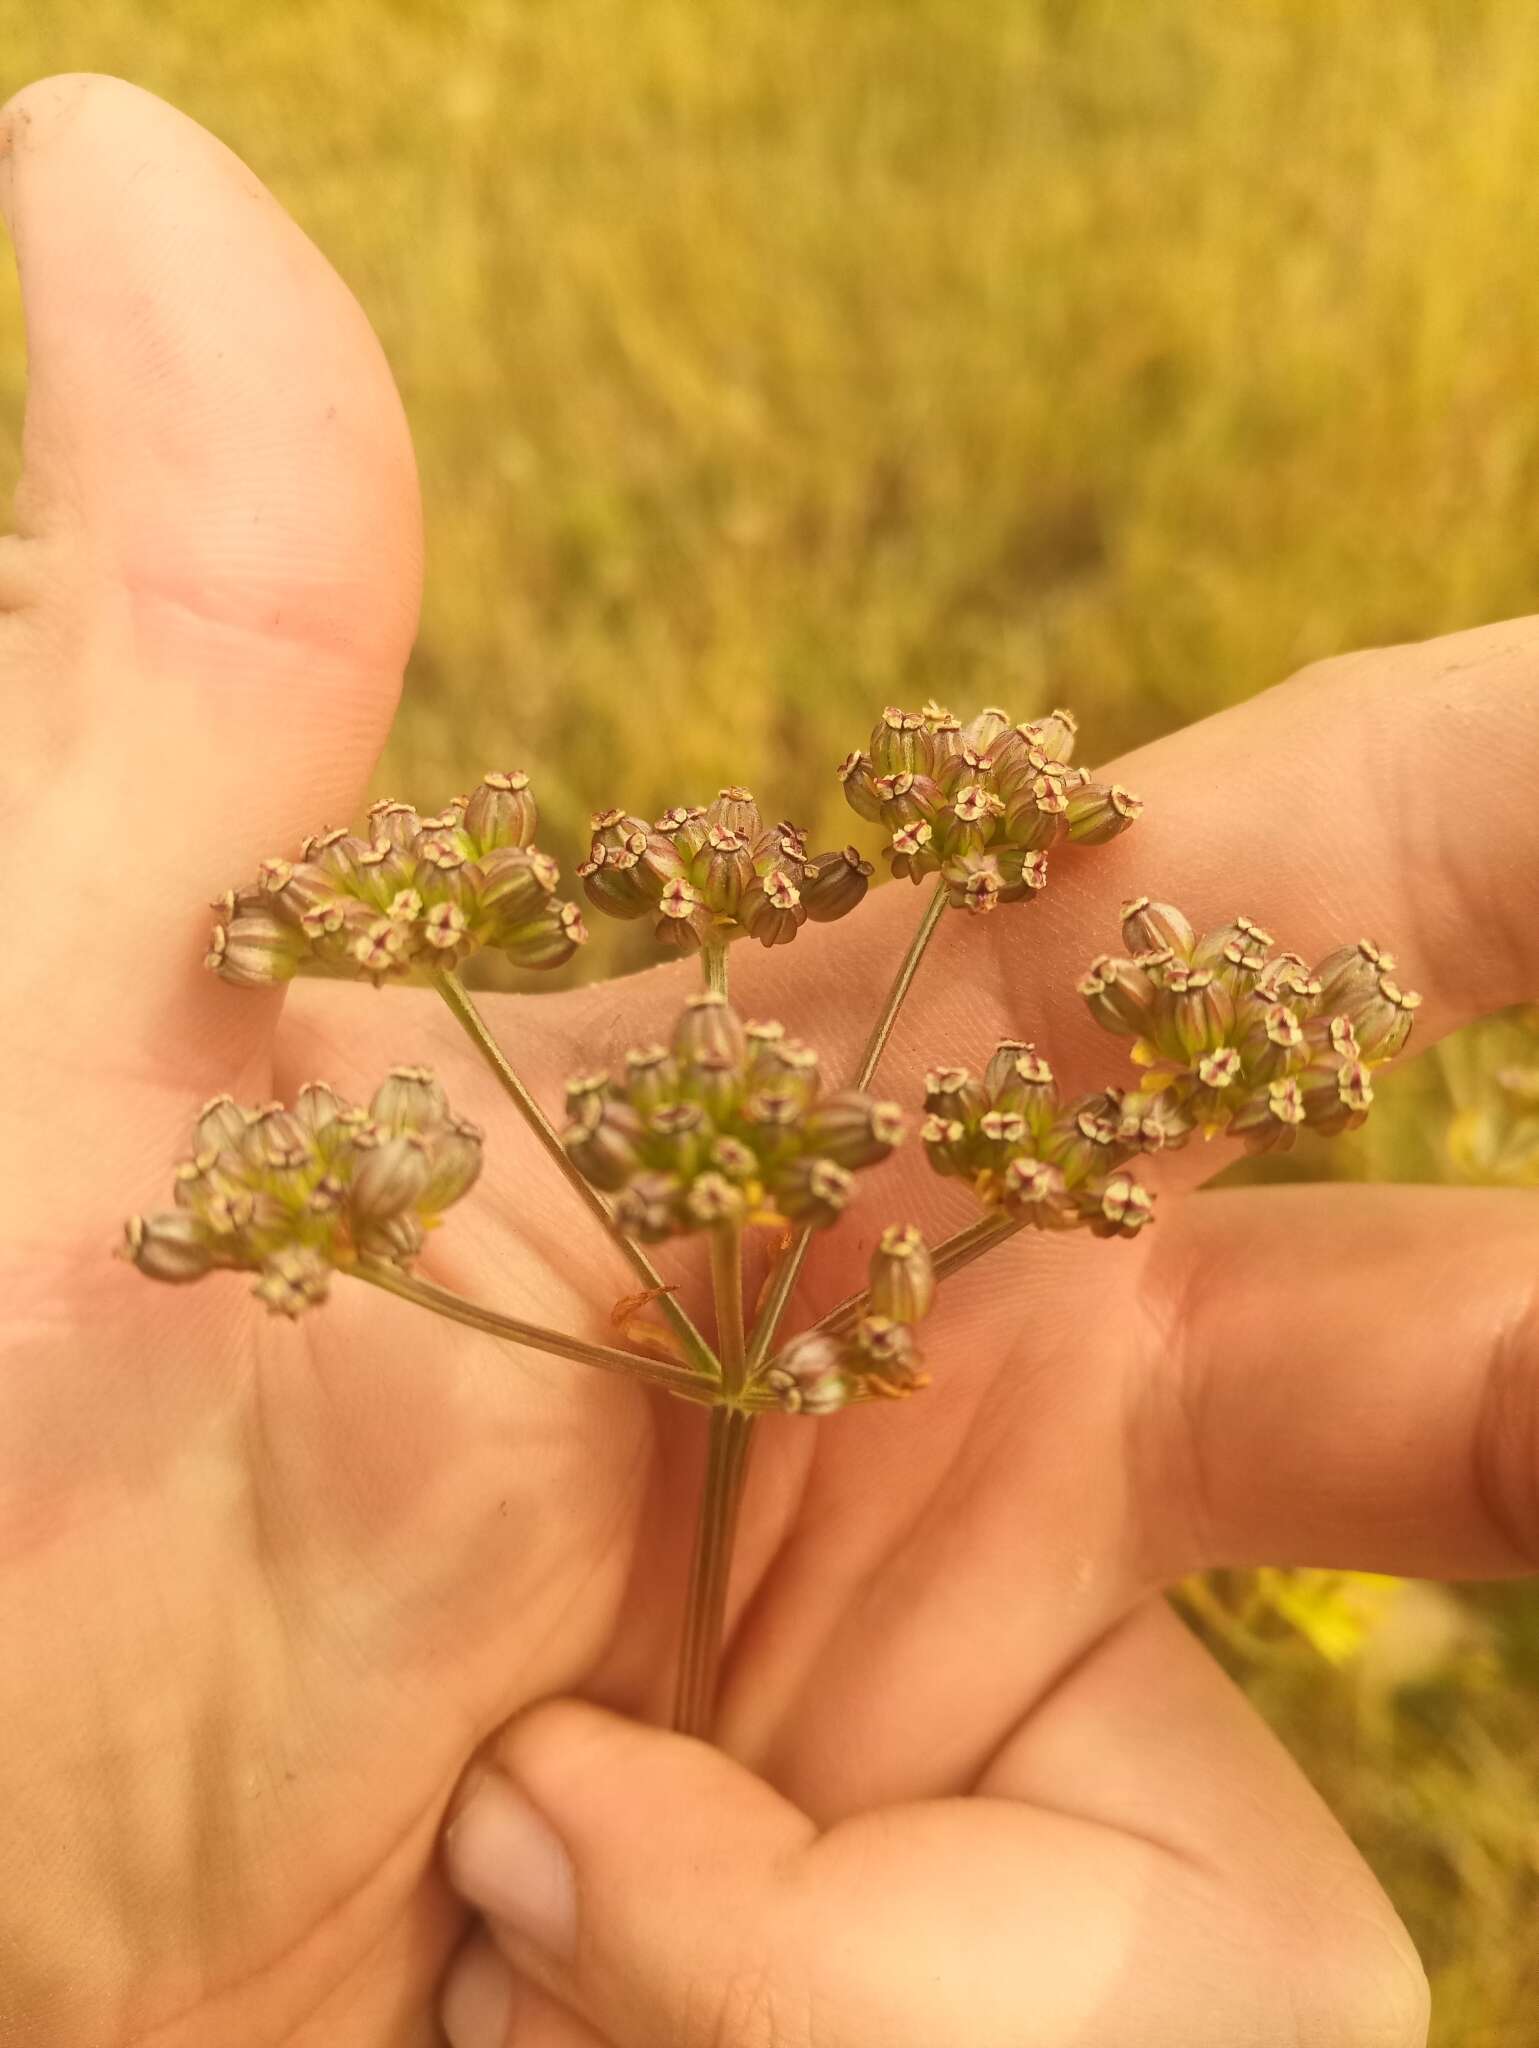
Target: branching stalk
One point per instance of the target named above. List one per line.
(726, 1471)
(457, 996)
(713, 958)
(442, 1301)
(789, 1270)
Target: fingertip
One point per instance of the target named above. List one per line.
(478, 1997)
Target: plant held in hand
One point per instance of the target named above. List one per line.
(728, 1129)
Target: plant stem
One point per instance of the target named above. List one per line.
(676, 1378)
(789, 1269)
(727, 1285)
(726, 1470)
(714, 959)
(457, 996)
(903, 981)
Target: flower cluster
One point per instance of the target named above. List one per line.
(293, 1194)
(1240, 1040)
(726, 1126)
(979, 804)
(712, 874)
(822, 1370)
(1055, 1165)
(414, 893)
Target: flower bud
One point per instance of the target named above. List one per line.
(713, 1200)
(1035, 817)
(1193, 1013)
(1119, 1209)
(1270, 1040)
(1336, 1093)
(549, 939)
(382, 948)
(1034, 1191)
(899, 743)
(1054, 734)
(390, 1178)
(902, 1276)
(952, 1092)
(832, 884)
(651, 1078)
(1121, 997)
(454, 1165)
(910, 853)
(1350, 975)
(409, 1100)
(293, 1279)
(648, 1207)
(886, 1356)
(1382, 1021)
(808, 1376)
(974, 882)
(1149, 927)
(980, 733)
(603, 1141)
(772, 909)
(724, 870)
(1269, 1121)
(510, 884)
(256, 949)
(1023, 1083)
(221, 1124)
(735, 811)
(615, 885)
(1097, 813)
(1154, 1123)
(813, 1191)
(946, 1144)
(398, 1239)
(173, 1246)
(1023, 872)
(852, 1129)
(859, 786)
(501, 811)
(709, 1028)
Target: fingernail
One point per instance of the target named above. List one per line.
(505, 1858)
(478, 1999)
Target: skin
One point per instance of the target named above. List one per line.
(268, 1589)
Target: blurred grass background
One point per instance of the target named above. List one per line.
(775, 359)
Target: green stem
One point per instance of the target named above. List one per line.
(727, 1285)
(903, 981)
(726, 1471)
(457, 996)
(409, 1287)
(714, 959)
(789, 1269)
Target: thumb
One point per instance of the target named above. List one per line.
(630, 1874)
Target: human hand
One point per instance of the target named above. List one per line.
(269, 1589)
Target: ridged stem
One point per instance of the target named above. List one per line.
(726, 1472)
(442, 1301)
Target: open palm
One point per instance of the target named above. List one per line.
(268, 1588)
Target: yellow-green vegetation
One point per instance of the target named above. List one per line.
(786, 358)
